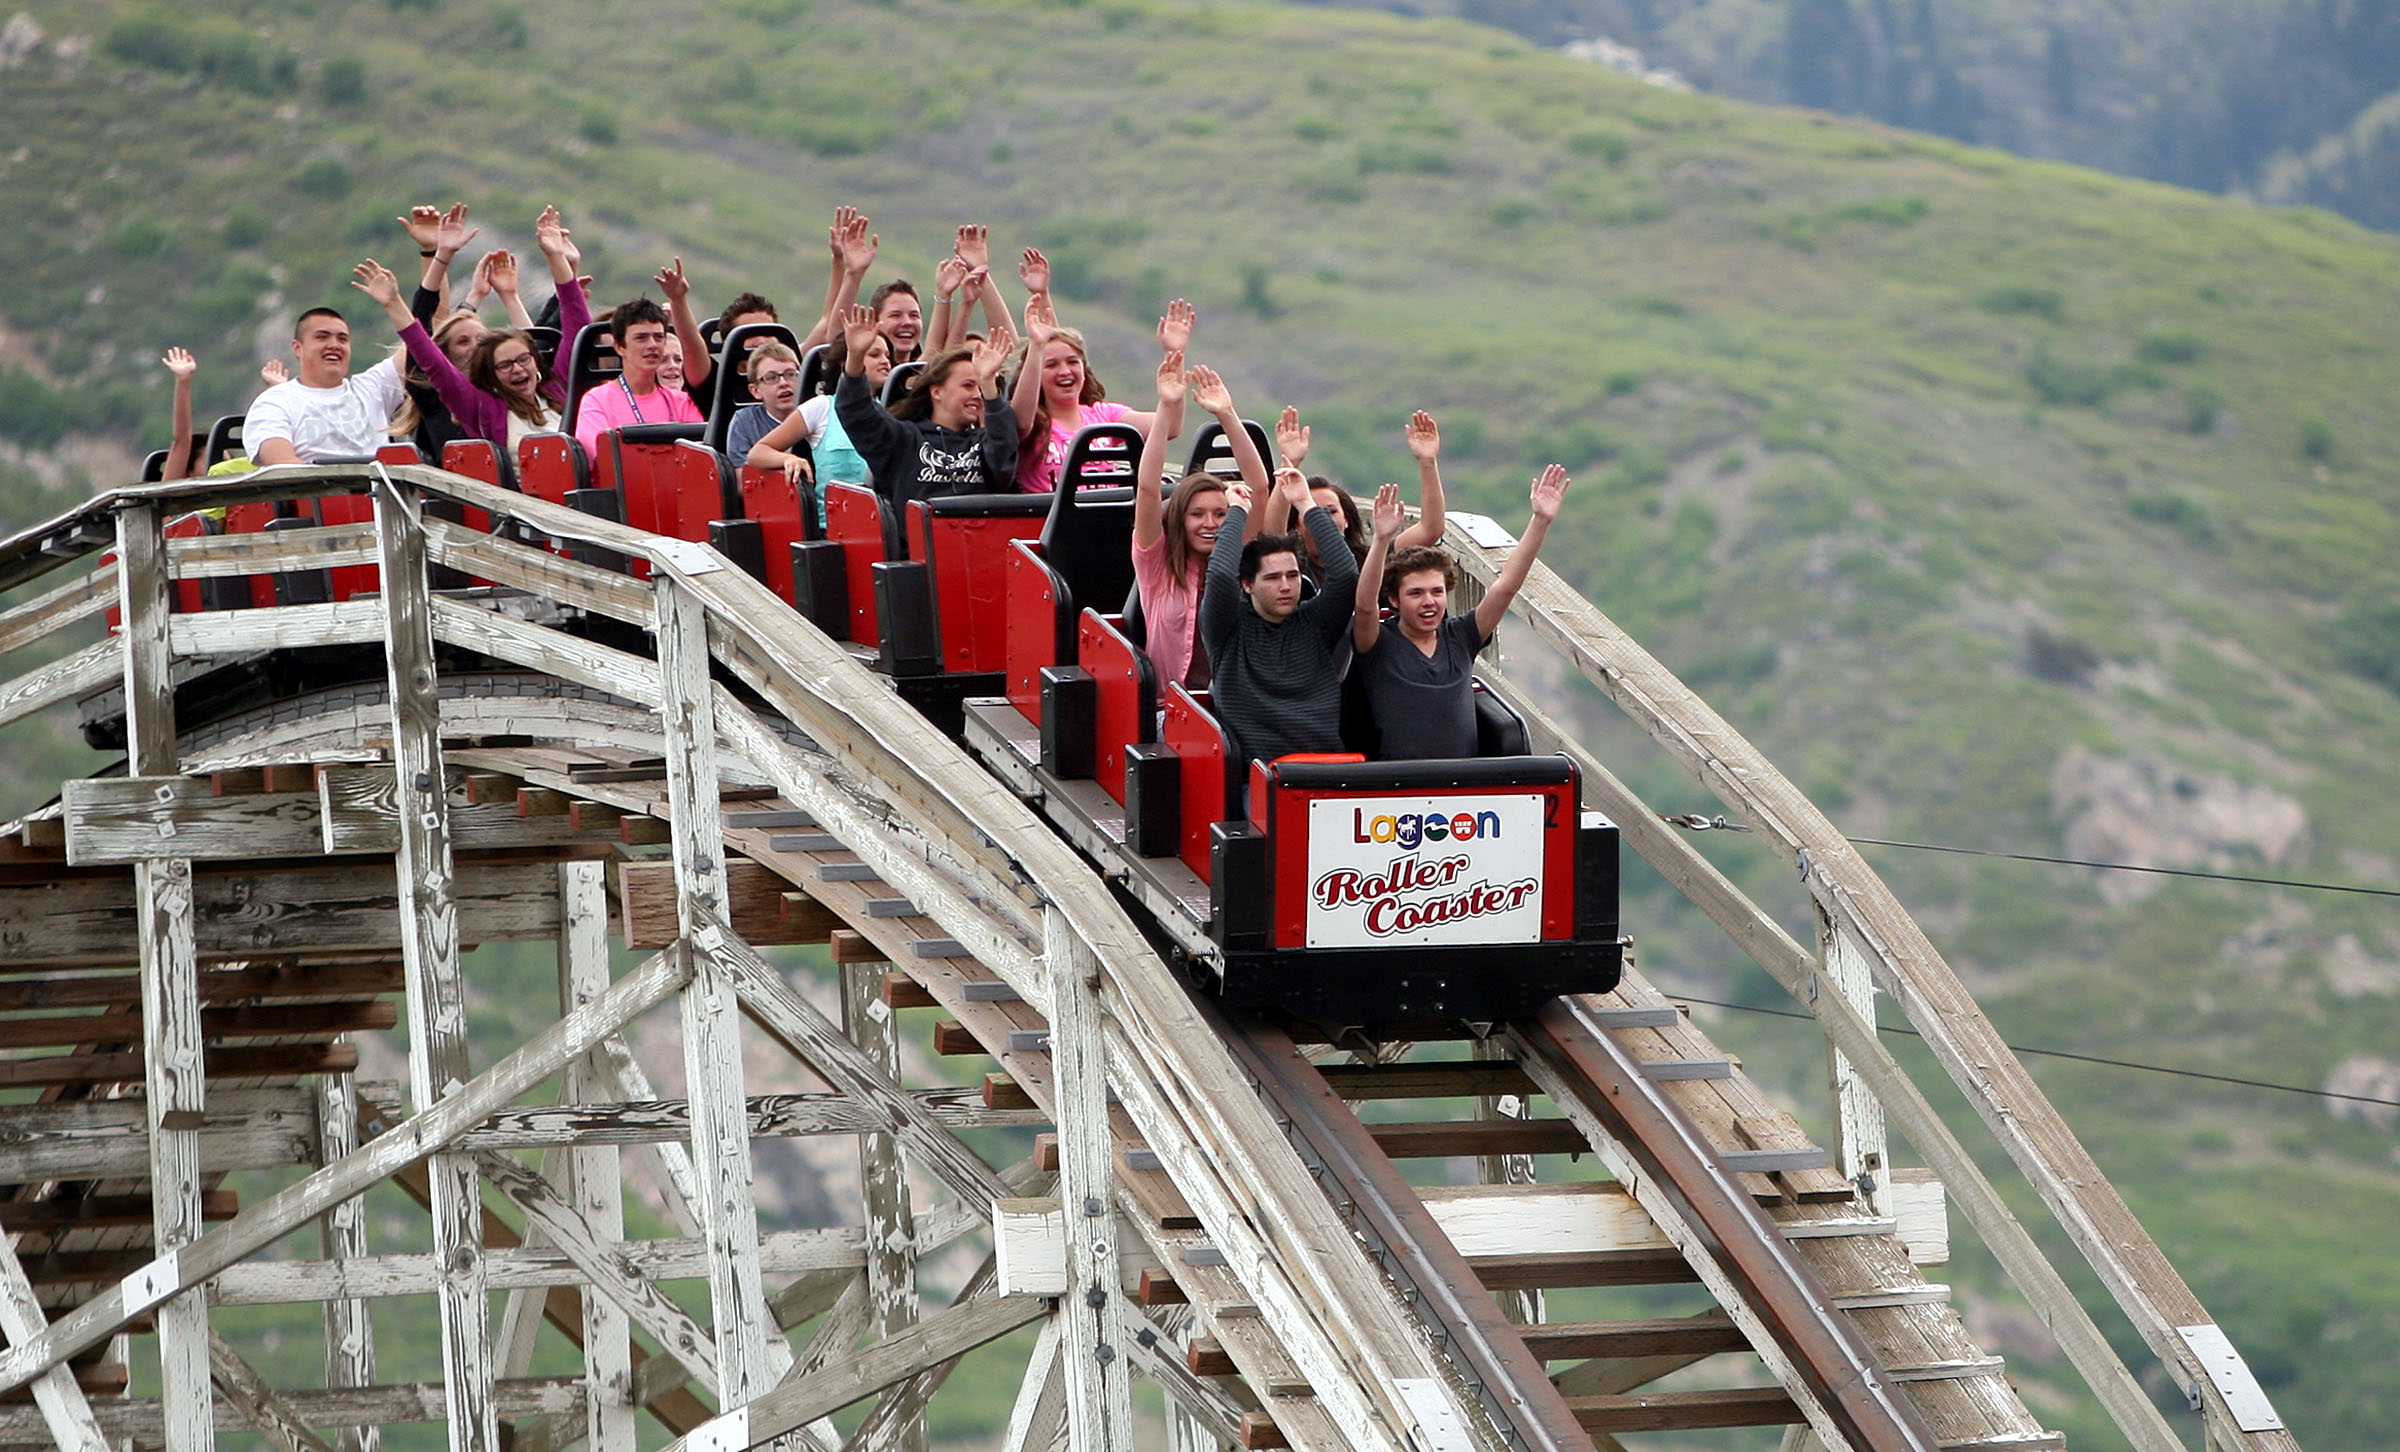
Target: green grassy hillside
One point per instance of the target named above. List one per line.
(2008, 505)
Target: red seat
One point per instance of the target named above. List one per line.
(854, 519)
(965, 539)
(781, 511)
(1125, 690)
(1204, 757)
(1041, 625)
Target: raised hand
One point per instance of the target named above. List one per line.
(975, 245)
(454, 233)
(1549, 491)
(376, 281)
(858, 335)
(480, 284)
(1237, 496)
(990, 357)
(1291, 437)
(672, 282)
(1004, 338)
(500, 266)
(1175, 329)
(1209, 391)
(1424, 437)
(550, 233)
(854, 247)
(1041, 321)
(1170, 380)
(948, 275)
(1390, 516)
(180, 363)
(273, 372)
(1034, 271)
(972, 286)
(1293, 486)
(424, 226)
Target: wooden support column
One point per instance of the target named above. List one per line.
(342, 1232)
(437, 1005)
(173, 1077)
(594, 1173)
(883, 1181)
(1861, 1145)
(1092, 1343)
(712, 1049)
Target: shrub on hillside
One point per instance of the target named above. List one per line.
(2366, 639)
(212, 47)
(2039, 302)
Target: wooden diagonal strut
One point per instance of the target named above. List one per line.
(279, 1214)
(64, 1410)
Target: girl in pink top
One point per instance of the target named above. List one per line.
(1056, 394)
(1172, 543)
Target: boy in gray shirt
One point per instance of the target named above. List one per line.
(1418, 672)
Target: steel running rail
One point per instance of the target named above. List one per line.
(1825, 1351)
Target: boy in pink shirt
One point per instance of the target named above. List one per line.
(635, 395)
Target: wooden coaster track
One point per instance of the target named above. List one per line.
(190, 946)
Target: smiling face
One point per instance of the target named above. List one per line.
(519, 371)
(879, 363)
(957, 403)
(1063, 372)
(1420, 599)
(902, 321)
(322, 348)
(1275, 589)
(1202, 518)
(670, 367)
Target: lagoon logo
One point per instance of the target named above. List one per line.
(1406, 829)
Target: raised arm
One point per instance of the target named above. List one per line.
(1149, 500)
(853, 248)
(1366, 618)
(179, 448)
(1026, 398)
(1221, 592)
(697, 364)
(975, 250)
(1425, 442)
(378, 283)
(874, 433)
(501, 267)
(947, 328)
(1291, 447)
(999, 442)
(1549, 491)
(451, 234)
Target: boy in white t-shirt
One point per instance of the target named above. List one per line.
(324, 413)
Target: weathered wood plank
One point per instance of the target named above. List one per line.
(64, 1411)
(108, 1139)
(891, 1279)
(359, 811)
(862, 1373)
(237, 1062)
(250, 982)
(263, 1020)
(552, 577)
(593, 1170)
(754, 898)
(747, 1339)
(175, 1078)
(276, 627)
(244, 914)
(342, 1232)
(429, 947)
(772, 1116)
(80, 598)
(68, 678)
(1098, 1391)
(271, 552)
(139, 1418)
